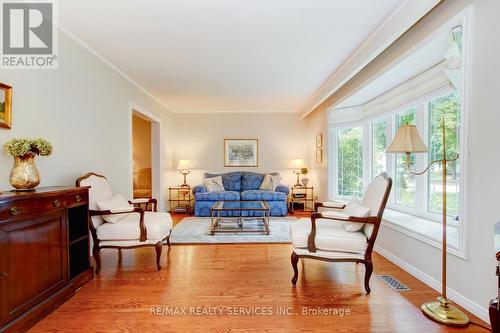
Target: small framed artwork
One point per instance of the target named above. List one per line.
(319, 140)
(241, 152)
(5, 105)
(319, 155)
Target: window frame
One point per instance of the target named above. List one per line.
(421, 106)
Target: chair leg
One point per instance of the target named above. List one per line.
(368, 274)
(96, 252)
(158, 248)
(295, 260)
(168, 240)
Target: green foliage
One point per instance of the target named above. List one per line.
(350, 162)
(379, 146)
(2, 107)
(25, 147)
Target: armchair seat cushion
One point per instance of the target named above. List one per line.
(330, 236)
(158, 226)
(263, 195)
(217, 195)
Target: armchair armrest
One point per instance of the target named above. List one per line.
(311, 246)
(283, 188)
(329, 204)
(147, 201)
(142, 226)
(199, 189)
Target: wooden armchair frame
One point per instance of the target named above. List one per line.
(96, 249)
(367, 261)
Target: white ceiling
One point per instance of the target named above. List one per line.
(226, 55)
(417, 62)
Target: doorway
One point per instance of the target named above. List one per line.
(145, 155)
(141, 157)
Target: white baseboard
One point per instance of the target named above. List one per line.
(472, 307)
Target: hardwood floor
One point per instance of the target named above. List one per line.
(131, 296)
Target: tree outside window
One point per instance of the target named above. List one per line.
(449, 108)
(350, 162)
(379, 144)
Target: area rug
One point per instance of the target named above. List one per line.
(196, 230)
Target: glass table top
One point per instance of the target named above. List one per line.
(240, 205)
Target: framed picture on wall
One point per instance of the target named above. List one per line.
(319, 140)
(319, 155)
(5, 105)
(241, 152)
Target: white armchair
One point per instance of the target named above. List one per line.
(136, 228)
(342, 233)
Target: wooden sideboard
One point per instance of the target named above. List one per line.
(44, 252)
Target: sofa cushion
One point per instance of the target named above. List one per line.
(330, 236)
(270, 183)
(214, 184)
(252, 180)
(263, 195)
(231, 180)
(219, 195)
(158, 226)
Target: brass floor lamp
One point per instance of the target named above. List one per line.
(407, 140)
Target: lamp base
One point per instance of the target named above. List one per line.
(444, 312)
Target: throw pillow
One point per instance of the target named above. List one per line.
(214, 184)
(270, 182)
(355, 209)
(117, 202)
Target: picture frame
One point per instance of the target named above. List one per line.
(241, 152)
(319, 140)
(5, 106)
(319, 155)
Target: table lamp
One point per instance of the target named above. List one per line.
(408, 140)
(184, 168)
(296, 164)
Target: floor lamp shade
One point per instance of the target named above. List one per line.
(407, 140)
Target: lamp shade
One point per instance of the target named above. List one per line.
(407, 140)
(184, 165)
(297, 163)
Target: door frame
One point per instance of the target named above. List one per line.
(157, 190)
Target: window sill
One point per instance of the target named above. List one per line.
(424, 230)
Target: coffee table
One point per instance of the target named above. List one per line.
(240, 217)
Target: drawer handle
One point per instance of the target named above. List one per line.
(57, 203)
(14, 211)
(78, 198)
(3, 275)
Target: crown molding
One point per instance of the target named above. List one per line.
(107, 62)
(391, 28)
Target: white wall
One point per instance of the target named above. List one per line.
(82, 108)
(200, 138)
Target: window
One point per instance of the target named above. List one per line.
(350, 161)
(357, 159)
(379, 144)
(447, 108)
(405, 182)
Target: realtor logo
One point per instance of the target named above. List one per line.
(29, 35)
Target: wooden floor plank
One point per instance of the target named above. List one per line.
(129, 293)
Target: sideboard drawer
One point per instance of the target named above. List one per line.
(30, 206)
(77, 198)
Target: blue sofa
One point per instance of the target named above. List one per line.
(240, 186)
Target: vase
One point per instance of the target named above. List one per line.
(304, 181)
(24, 175)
